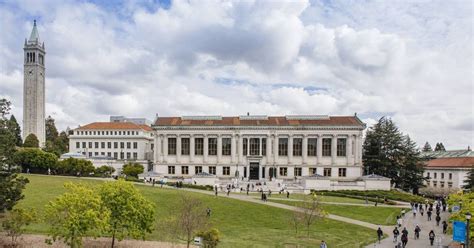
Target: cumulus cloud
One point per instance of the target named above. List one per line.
(410, 61)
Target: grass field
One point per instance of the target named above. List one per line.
(370, 214)
(323, 198)
(242, 224)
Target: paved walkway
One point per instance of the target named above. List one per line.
(426, 226)
(405, 205)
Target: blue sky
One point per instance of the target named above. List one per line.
(410, 60)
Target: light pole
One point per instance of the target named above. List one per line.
(468, 217)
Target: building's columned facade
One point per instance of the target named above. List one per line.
(259, 147)
(34, 87)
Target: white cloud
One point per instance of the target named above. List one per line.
(410, 60)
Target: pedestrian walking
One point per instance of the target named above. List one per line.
(379, 234)
(429, 215)
(417, 232)
(404, 240)
(399, 221)
(438, 219)
(323, 244)
(422, 211)
(208, 212)
(403, 213)
(431, 235)
(414, 212)
(405, 231)
(395, 234)
(287, 194)
(445, 227)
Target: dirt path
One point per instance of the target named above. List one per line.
(37, 241)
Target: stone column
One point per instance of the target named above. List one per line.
(178, 149)
(290, 149)
(219, 148)
(191, 148)
(206, 148)
(305, 148)
(248, 146)
(260, 147)
(333, 149)
(269, 149)
(240, 149)
(319, 148)
(349, 154)
(358, 161)
(275, 148)
(233, 149)
(165, 148)
(158, 157)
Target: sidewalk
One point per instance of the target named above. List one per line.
(426, 226)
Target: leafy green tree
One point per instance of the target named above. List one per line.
(15, 129)
(131, 215)
(77, 213)
(31, 141)
(469, 181)
(16, 221)
(427, 147)
(75, 167)
(387, 152)
(11, 185)
(132, 169)
(466, 202)
(104, 171)
(210, 238)
(35, 160)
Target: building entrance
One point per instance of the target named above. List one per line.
(254, 171)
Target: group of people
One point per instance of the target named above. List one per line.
(438, 206)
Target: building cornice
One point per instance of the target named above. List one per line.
(161, 128)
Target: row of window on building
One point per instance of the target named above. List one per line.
(442, 184)
(115, 155)
(252, 146)
(109, 145)
(435, 175)
(107, 133)
(283, 171)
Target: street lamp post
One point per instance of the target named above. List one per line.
(468, 218)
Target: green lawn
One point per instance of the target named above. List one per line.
(324, 198)
(370, 214)
(242, 224)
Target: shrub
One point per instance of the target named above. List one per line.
(191, 186)
(210, 238)
(132, 169)
(104, 171)
(35, 160)
(17, 220)
(75, 167)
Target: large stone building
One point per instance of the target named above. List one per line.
(448, 169)
(112, 143)
(34, 87)
(259, 147)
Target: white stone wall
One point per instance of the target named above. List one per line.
(458, 177)
(237, 161)
(144, 143)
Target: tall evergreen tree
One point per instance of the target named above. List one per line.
(15, 129)
(51, 130)
(427, 147)
(439, 147)
(469, 181)
(57, 144)
(388, 153)
(11, 185)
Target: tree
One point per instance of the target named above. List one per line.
(132, 169)
(466, 203)
(131, 215)
(210, 237)
(104, 171)
(311, 211)
(387, 152)
(296, 220)
(439, 147)
(469, 181)
(11, 185)
(411, 171)
(75, 167)
(35, 160)
(427, 147)
(76, 213)
(190, 218)
(31, 141)
(15, 129)
(16, 221)
(55, 143)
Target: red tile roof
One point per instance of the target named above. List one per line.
(464, 162)
(114, 125)
(270, 121)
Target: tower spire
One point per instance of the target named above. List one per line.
(34, 36)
